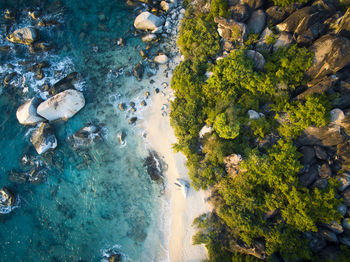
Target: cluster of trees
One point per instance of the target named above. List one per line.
(270, 181)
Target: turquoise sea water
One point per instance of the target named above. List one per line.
(97, 197)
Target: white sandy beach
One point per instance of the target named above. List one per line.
(160, 137)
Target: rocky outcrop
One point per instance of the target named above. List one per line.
(7, 201)
(258, 59)
(64, 84)
(138, 71)
(231, 30)
(284, 39)
(85, 136)
(239, 13)
(149, 38)
(43, 138)
(256, 22)
(205, 130)
(148, 21)
(232, 164)
(331, 53)
(26, 36)
(154, 166)
(329, 135)
(62, 106)
(344, 27)
(26, 113)
(253, 4)
(276, 14)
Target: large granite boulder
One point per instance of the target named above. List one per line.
(284, 39)
(322, 86)
(231, 30)
(307, 178)
(331, 53)
(258, 59)
(43, 138)
(86, 135)
(253, 4)
(161, 59)
(276, 14)
(265, 38)
(7, 201)
(256, 22)
(148, 21)
(62, 106)
(329, 135)
(26, 36)
(26, 113)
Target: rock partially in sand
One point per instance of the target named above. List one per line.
(138, 71)
(26, 36)
(183, 185)
(121, 137)
(62, 106)
(132, 120)
(7, 201)
(154, 166)
(26, 113)
(43, 138)
(148, 21)
(161, 59)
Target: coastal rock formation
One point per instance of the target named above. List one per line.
(86, 135)
(43, 138)
(231, 30)
(154, 166)
(64, 84)
(26, 113)
(62, 106)
(37, 175)
(331, 53)
(239, 13)
(7, 201)
(148, 21)
(149, 38)
(26, 36)
(138, 71)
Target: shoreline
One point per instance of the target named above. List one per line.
(160, 137)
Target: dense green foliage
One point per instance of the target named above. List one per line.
(285, 3)
(268, 181)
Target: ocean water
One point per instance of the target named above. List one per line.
(98, 197)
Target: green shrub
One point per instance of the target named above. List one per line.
(226, 129)
(219, 8)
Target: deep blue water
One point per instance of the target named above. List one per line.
(98, 197)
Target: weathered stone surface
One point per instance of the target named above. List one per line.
(254, 4)
(87, 135)
(317, 242)
(334, 227)
(308, 155)
(26, 113)
(325, 171)
(324, 85)
(331, 53)
(346, 197)
(307, 178)
(343, 152)
(166, 6)
(264, 40)
(232, 163)
(148, 21)
(337, 116)
(320, 183)
(323, 136)
(62, 106)
(284, 39)
(321, 153)
(149, 38)
(344, 27)
(43, 138)
(239, 13)
(138, 71)
(292, 22)
(161, 59)
(328, 235)
(258, 59)
(276, 14)
(231, 30)
(26, 36)
(64, 84)
(205, 130)
(345, 123)
(256, 22)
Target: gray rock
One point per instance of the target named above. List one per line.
(321, 153)
(64, 84)
(64, 105)
(345, 240)
(284, 39)
(307, 178)
(26, 113)
(149, 38)
(258, 59)
(87, 135)
(161, 59)
(138, 71)
(276, 14)
(265, 40)
(324, 85)
(256, 22)
(344, 27)
(320, 183)
(346, 223)
(328, 235)
(43, 138)
(26, 36)
(331, 53)
(308, 155)
(346, 197)
(132, 120)
(239, 13)
(148, 21)
(317, 242)
(334, 227)
(342, 208)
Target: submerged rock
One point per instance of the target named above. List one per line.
(154, 166)
(64, 84)
(43, 138)
(183, 185)
(26, 113)
(7, 201)
(86, 135)
(62, 106)
(26, 36)
(138, 71)
(121, 137)
(147, 21)
(36, 176)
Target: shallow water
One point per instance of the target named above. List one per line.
(98, 197)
